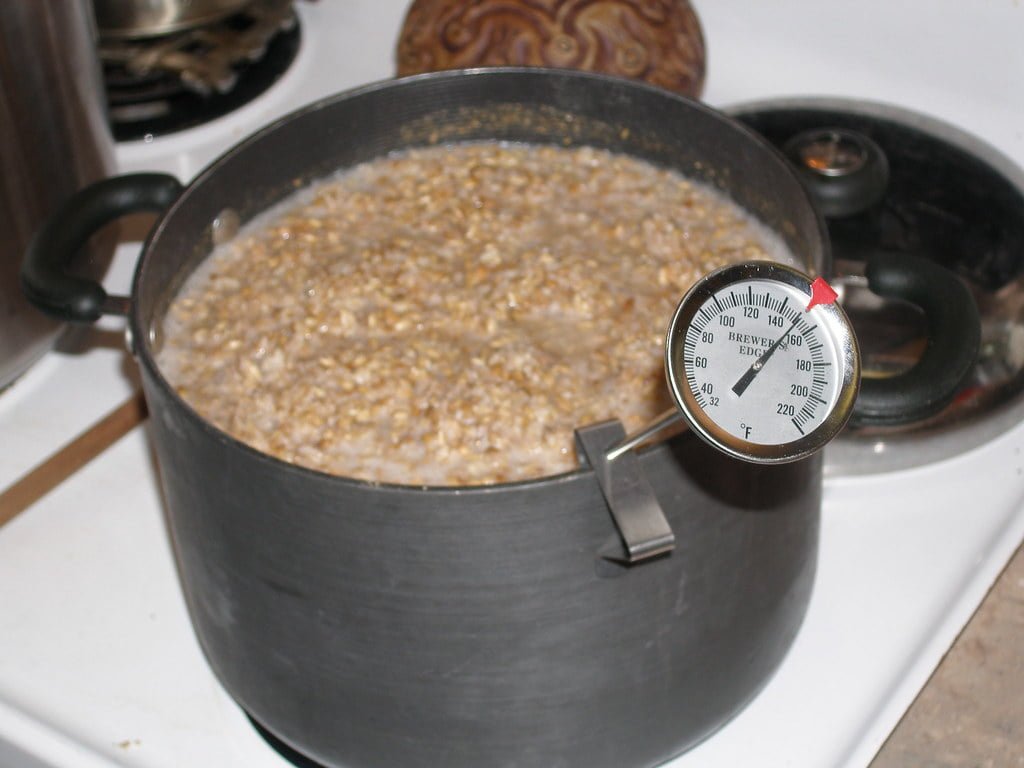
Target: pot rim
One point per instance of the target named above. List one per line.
(143, 336)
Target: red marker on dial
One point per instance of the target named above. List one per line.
(821, 293)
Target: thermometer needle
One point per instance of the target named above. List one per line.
(741, 386)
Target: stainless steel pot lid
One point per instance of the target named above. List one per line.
(936, 192)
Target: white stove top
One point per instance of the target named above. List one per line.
(98, 663)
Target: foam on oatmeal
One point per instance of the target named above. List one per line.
(448, 315)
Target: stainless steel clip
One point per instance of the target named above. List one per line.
(643, 530)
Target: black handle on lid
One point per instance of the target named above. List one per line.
(44, 277)
(846, 172)
(954, 336)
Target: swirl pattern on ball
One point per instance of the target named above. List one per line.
(659, 41)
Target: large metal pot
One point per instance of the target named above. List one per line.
(54, 140)
(385, 625)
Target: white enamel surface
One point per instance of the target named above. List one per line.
(98, 663)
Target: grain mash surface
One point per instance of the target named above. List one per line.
(449, 315)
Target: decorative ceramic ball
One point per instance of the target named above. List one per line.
(659, 41)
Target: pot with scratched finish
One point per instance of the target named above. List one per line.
(385, 625)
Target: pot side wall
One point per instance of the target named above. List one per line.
(380, 626)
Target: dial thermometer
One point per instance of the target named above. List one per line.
(762, 362)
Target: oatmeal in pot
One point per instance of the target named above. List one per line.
(448, 315)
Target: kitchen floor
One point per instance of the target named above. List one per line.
(971, 712)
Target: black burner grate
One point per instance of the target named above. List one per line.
(161, 85)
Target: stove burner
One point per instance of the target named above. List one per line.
(164, 84)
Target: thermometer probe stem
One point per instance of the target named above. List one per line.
(660, 423)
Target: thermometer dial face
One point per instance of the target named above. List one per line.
(763, 362)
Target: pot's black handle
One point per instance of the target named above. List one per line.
(954, 335)
(44, 277)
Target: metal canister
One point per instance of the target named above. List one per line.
(54, 140)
